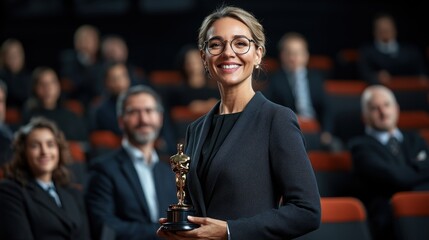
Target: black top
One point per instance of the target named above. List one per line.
(220, 127)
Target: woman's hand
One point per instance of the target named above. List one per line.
(209, 229)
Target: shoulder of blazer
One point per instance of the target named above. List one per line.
(363, 140)
(7, 185)
(109, 162)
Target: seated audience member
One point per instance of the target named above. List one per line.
(386, 160)
(386, 56)
(81, 67)
(301, 89)
(5, 131)
(36, 198)
(116, 81)
(14, 73)
(45, 101)
(115, 49)
(198, 92)
(131, 189)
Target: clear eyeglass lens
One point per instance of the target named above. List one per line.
(239, 45)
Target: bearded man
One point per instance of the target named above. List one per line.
(130, 189)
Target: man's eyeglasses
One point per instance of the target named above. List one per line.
(240, 45)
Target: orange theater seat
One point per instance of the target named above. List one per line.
(333, 171)
(342, 218)
(349, 55)
(75, 106)
(270, 64)
(409, 83)
(330, 161)
(76, 151)
(411, 215)
(320, 62)
(309, 125)
(425, 134)
(165, 77)
(184, 114)
(13, 116)
(413, 120)
(345, 87)
(104, 139)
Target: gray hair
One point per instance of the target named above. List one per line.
(135, 90)
(369, 92)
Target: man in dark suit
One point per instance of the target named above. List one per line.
(301, 89)
(130, 189)
(386, 160)
(81, 68)
(386, 57)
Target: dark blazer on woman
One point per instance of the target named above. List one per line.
(30, 213)
(262, 160)
(115, 198)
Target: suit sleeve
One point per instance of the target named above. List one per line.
(100, 201)
(14, 222)
(292, 173)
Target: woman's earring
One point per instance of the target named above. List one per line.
(257, 66)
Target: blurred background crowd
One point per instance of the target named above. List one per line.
(69, 60)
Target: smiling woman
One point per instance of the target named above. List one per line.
(27, 209)
(249, 177)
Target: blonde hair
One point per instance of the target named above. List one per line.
(256, 29)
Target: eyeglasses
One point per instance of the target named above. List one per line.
(216, 46)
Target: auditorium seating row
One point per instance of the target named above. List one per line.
(346, 218)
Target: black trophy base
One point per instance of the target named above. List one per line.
(177, 219)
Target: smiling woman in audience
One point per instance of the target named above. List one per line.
(36, 199)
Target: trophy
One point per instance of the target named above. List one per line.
(177, 214)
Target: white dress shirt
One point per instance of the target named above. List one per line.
(144, 170)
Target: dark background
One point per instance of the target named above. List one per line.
(156, 29)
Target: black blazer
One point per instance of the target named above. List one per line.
(408, 61)
(280, 92)
(261, 161)
(30, 213)
(115, 198)
(376, 168)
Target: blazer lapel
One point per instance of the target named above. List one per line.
(194, 184)
(130, 173)
(221, 158)
(41, 197)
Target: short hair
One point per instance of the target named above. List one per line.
(247, 18)
(3, 87)
(6, 45)
(37, 73)
(83, 28)
(19, 169)
(368, 93)
(109, 65)
(112, 37)
(291, 36)
(135, 90)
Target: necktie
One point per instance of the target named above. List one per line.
(51, 191)
(395, 148)
(302, 96)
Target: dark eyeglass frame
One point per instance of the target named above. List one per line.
(206, 47)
